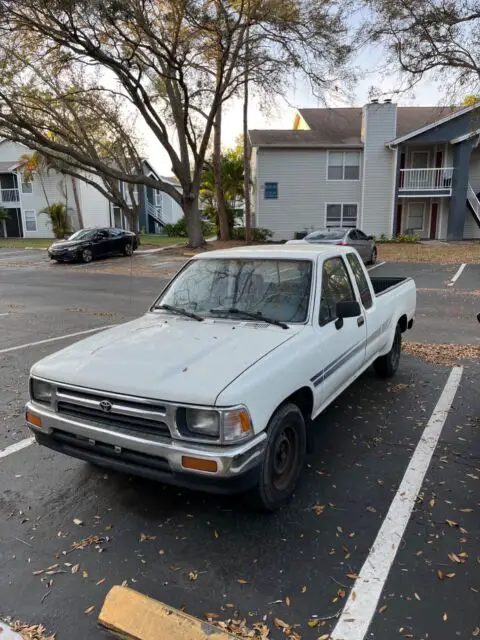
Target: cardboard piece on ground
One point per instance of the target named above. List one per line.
(138, 617)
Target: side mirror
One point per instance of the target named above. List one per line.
(348, 309)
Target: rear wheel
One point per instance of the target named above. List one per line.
(87, 255)
(386, 366)
(373, 257)
(283, 460)
(128, 249)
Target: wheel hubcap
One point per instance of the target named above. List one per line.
(284, 458)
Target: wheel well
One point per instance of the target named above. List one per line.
(402, 323)
(303, 398)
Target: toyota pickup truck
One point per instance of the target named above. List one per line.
(218, 384)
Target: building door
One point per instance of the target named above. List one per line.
(433, 221)
(398, 221)
(14, 224)
(416, 217)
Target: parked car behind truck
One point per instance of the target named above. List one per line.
(216, 386)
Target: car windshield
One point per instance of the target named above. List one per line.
(276, 289)
(327, 234)
(83, 234)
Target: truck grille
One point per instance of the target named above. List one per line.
(121, 415)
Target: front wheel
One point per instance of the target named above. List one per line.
(386, 366)
(128, 249)
(87, 255)
(283, 460)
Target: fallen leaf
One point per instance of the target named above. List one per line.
(325, 636)
(417, 596)
(100, 582)
(84, 574)
(89, 610)
(211, 616)
(352, 576)
(216, 534)
(382, 609)
(444, 617)
(144, 537)
(432, 503)
(476, 632)
(287, 601)
(318, 508)
(193, 575)
(313, 622)
(304, 588)
(466, 510)
(280, 624)
(353, 595)
(75, 568)
(372, 509)
(242, 581)
(451, 523)
(77, 521)
(450, 575)
(454, 558)
(440, 574)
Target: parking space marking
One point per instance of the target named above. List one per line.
(18, 446)
(47, 340)
(4, 314)
(362, 602)
(457, 275)
(379, 264)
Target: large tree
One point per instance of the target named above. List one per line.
(173, 62)
(436, 38)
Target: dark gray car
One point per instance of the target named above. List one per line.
(365, 245)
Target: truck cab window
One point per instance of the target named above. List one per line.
(336, 287)
(361, 279)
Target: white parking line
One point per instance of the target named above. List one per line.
(379, 264)
(457, 275)
(4, 314)
(68, 335)
(18, 446)
(360, 607)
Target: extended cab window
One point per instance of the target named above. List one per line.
(336, 287)
(361, 279)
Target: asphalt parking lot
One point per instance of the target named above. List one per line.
(210, 554)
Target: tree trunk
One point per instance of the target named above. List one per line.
(77, 202)
(4, 227)
(246, 144)
(44, 190)
(217, 176)
(192, 218)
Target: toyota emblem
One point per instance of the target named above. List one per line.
(106, 405)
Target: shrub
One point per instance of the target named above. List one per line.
(300, 235)
(58, 219)
(258, 234)
(179, 229)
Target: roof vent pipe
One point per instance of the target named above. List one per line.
(387, 101)
(374, 101)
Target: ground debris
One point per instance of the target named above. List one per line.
(447, 354)
(239, 627)
(29, 631)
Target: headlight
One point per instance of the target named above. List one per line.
(236, 425)
(72, 249)
(203, 421)
(41, 391)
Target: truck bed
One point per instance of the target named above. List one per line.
(381, 285)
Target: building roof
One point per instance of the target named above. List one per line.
(342, 127)
(8, 167)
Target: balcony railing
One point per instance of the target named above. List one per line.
(8, 196)
(426, 179)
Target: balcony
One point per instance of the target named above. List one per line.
(9, 197)
(437, 182)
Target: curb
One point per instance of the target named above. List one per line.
(138, 617)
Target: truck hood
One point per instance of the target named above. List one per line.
(165, 358)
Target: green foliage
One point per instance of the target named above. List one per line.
(4, 214)
(401, 237)
(470, 100)
(300, 235)
(179, 229)
(58, 219)
(258, 234)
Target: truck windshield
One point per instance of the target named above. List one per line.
(276, 289)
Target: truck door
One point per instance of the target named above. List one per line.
(342, 343)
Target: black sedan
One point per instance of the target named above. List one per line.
(88, 244)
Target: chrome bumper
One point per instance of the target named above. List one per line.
(232, 461)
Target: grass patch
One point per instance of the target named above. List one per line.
(439, 253)
(160, 241)
(25, 243)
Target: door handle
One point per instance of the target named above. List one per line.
(360, 321)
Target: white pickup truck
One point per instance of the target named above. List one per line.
(216, 386)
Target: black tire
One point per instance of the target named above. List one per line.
(87, 255)
(373, 257)
(386, 366)
(283, 461)
(128, 249)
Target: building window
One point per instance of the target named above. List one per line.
(27, 187)
(271, 191)
(30, 220)
(343, 165)
(416, 212)
(342, 215)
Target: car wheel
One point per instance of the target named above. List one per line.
(386, 366)
(128, 249)
(87, 255)
(283, 460)
(373, 257)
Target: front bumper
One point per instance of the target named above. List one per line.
(65, 256)
(238, 465)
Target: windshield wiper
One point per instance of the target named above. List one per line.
(180, 311)
(258, 315)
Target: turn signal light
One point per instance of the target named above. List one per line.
(199, 464)
(33, 419)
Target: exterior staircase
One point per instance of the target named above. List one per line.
(155, 214)
(473, 204)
